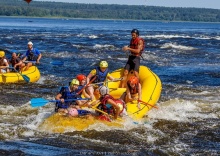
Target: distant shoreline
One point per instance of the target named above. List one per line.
(65, 18)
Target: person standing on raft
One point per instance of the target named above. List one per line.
(136, 47)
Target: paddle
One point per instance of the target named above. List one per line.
(119, 79)
(38, 102)
(147, 104)
(104, 112)
(86, 85)
(57, 63)
(25, 77)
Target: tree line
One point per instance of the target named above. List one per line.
(106, 11)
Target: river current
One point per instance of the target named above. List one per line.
(184, 55)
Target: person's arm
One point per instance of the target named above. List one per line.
(24, 59)
(113, 103)
(58, 97)
(110, 77)
(18, 64)
(128, 94)
(85, 94)
(39, 57)
(88, 78)
(139, 95)
(136, 51)
(91, 74)
(93, 103)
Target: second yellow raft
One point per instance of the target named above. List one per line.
(14, 77)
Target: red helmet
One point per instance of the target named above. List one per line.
(133, 80)
(81, 77)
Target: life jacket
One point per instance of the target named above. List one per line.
(82, 112)
(133, 90)
(32, 55)
(100, 76)
(108, 108)
(66, 94)
(14, 61)
(134, 45)
(79, 89)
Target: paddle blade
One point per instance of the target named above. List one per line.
(38, 102)
(26, 78)
(57, 63)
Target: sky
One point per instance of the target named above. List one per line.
(214, 4)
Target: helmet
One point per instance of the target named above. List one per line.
(103, 90)
(74, 82)
(81, 77)
(73, 112)
(30, 43)
(2, 53)
(133, 80)
(103, 64)
(135, 31)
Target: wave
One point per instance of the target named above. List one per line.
(183, 110)
(167, 36)
(175, 46)
(195, 36)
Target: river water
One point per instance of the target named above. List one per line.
(184, 55)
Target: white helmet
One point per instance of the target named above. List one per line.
(103, 90)
(30, 43)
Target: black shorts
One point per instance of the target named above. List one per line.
(133, 63)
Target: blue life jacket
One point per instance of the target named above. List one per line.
(32, 55)
(83, 112)
(100, 76)
(78, 90)
(66, 94)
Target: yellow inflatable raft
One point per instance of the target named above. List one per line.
(15, 77)
(151, 90)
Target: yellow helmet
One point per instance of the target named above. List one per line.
(2, 53)
(74, 82)
(103, 64)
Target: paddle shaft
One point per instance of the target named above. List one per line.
(147, 104)
(86, 85)
(104, 113)
(53, 62)
(119, 79)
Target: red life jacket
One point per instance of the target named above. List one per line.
(104, 102)
(134, 45)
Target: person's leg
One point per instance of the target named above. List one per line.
(123, 96)
(136, 66)
(28, 65)
(124, 80)
(22, 67)
(90, 91)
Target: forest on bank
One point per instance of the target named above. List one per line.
(106, 11)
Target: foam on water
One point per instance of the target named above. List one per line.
(175, 46)
(181, 111)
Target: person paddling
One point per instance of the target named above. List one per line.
(15, 61)
(82, 85)
(108, 104)
(133, 91)
(98, 75)
(32, 55)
